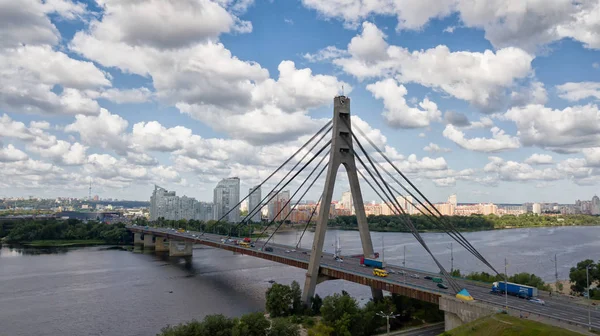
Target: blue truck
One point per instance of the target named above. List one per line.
(522, 291)
(372, 262)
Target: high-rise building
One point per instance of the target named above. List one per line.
(253, 203)
(346, 200)
(279, 207)
(227, 196)
(166, 204)
(406, 202)
(595, 206)
(452, 200)
(537, 208)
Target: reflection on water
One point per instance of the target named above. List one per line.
(100, 291)
(17, 250)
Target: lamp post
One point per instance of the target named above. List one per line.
(506, 284)
(451, 259)
(587, 277)
(387, 318)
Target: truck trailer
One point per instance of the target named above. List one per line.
(372, 262)
(522, 291)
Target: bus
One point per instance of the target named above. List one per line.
(437, 280)
(379, 272)
(244, 244)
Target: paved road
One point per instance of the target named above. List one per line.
(557, 308)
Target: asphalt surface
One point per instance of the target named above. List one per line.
(427, 331)
(555, 307)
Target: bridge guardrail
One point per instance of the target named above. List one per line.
(521, 311)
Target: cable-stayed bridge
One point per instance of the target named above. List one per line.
(336, 144)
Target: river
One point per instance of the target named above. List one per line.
(99, 291)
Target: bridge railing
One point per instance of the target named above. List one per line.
(515, 311)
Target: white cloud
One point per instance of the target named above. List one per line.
(539, 159)
(105, 130)
(325, 54)
(136, 95)
(499, 141)
(596, 65)
(166, 174)
(592, 156)
(558, 130)
(11, 154)
(578, 91)
(527, 24)
(34, 71)
(435, 148)
(449, 29)
(516, 171)
(422, 135)
(107, 167)
(479, 78)
(534, 94)
(397, 113)
(164, 24)
(25, 22)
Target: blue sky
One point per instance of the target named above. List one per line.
(495, 103)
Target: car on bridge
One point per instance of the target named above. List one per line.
(427, 277)
(268, 249)
(416, 276)
(380, 272)
(441, 285)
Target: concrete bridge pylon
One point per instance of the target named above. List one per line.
(341, 154)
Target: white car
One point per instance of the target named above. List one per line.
(416, 276)
(538, 301)
(287, 251)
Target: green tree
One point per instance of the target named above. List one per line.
(296, 295)
(253, 324)
(371, 321)
(217, 325)
(279, 300)
(193, 328)
(578, 276)
(283, 327)
(529, 280)
(334, 307)
(315, 304)
(320, 329)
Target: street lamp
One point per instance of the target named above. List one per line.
(451, 259)
(587, 277)
(387, 317)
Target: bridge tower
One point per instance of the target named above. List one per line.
(341, 154)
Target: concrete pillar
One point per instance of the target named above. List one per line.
(342, 153)
(138, 238)
(162, 244)
(149, 241)
(451, 321)
(457, 311)
(178, 248)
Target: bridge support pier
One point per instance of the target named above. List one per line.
(457, 312)
(149, 241)
(342, 153)
(138, 238)
(162, 244)
(178, 248)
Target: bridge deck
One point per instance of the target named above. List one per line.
(418, 288)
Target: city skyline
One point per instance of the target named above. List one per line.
(472, 100)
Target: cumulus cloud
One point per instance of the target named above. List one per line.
(527, 24)
(136, 95)
(435, 148)
(578, 91)
(11, 154)
(479, 78)
(325, 54)
(558, 130)
(500, 141)
(397, 113)
(516, 171)
(105, 130)
(539, 159)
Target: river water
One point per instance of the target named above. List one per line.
(98, 291)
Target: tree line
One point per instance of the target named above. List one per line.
(463, 223)
(21, 231)
(335, 315)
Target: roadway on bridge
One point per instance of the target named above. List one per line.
(555, 307)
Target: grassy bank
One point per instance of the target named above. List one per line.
(504, 325)
(63, 243)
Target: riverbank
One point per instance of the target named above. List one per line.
(63, 243)
(375, 229)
